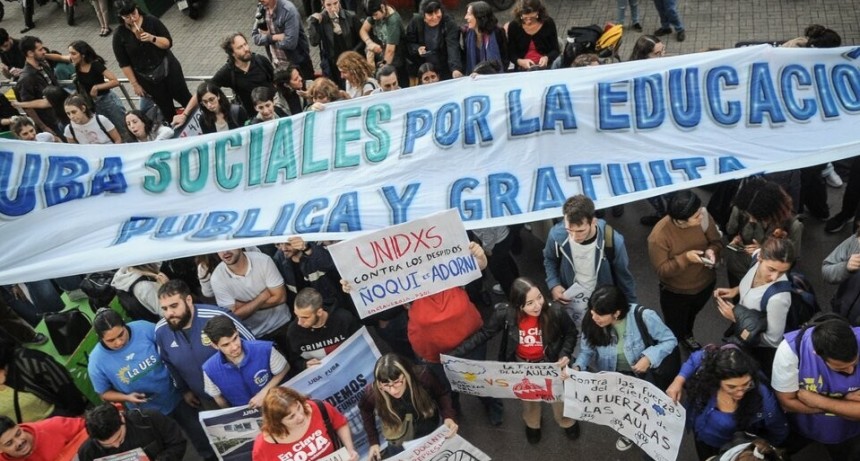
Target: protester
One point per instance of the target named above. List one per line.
(142, 129)
(284, 37)
(323, 91)
(612, 341)
(532, 36)
(433, 38)
(294, 428)
(87, 127)
(290, 87)
(534, 331)
(427, 74)
(772, 263)
(385, 38)
(822, 358)
(317, 332)
(12, 59)
(24, 128)
(684, 247)
(125, 367)
(32, 81)
(101, 7)
(113, 432)
(387, 78)
(669, 18)
(142, 50)
(408, 400)
(44, 440)
(264, 103)
(634, 13)
(581, 253)
(216, 112)
(90, 76)
(647, 47)
(334, 30)
(357, 74)
(482, 38)
(757, 450)
(139, 284)
(726, 394)
(242, 371)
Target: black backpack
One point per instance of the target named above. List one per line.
(580, 40)
(803, 302)
(67, 329)
(846, 301)
(133, 307)
(98, 289)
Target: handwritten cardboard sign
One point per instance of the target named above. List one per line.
(515, 380)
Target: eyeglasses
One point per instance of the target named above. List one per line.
(743, 388)
(393, 384)
(211, 100)
(533, 17)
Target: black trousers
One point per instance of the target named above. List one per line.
(172, 88)
(851, 198)
(680, 310)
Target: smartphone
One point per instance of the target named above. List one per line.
(734, 247)
(706, 261)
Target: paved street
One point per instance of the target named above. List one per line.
(709, 23)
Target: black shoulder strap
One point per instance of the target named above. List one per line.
(332, 434)
(643, 329)
(142, 278)
(101, 126)
(609, 249)
(17, 406)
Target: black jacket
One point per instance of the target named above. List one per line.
(446, 56)
(321, 34)
(504, 318)
(159, 436)
(39, 374)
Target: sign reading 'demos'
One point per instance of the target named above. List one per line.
(397, 264)
(515, 380)
(633, 407)
(499, 148)
(439, 447)
(340, 379)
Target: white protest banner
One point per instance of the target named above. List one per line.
(515, 380)
(339, 379)
(340, 455)
(132, 455)
(500, 149)
(632, 407)
(401, 263)
(438, 447)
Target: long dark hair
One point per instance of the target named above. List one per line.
(643, 47)
(223, 103)
(519, 292)
(605, 300)
(725, 363)
(88, 54)
(485, 20)
(148, 124)
(390, 367)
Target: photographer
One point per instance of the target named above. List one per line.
(279, 29)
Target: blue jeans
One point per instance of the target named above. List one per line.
(668, 11)
(111, 107)
(634, 10)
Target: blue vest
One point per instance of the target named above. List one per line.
(240, 383)
(814, 375)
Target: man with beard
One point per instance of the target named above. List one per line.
(181, 343)
(309, 264)
(242, 72)
(44, 440)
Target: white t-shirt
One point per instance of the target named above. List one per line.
(583, 257)
(784, 374)
(277, 363)
(91, 132)
(262, 274)
(777, 306)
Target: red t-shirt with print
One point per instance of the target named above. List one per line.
(314, 444)
(531, 340)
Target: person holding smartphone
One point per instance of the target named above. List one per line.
(532, 36)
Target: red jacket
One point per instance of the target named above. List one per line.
(439, 323)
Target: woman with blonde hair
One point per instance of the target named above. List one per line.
(292, 424)
(409, 401)
(357, 74)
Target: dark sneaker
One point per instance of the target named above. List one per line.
(835, 224)
(38, 339)
(637, 27)
(623, 444)
(691, 344)
(661, 32)
(572, 432)
(532, 435)
(682, 35)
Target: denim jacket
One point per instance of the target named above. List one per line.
(559, 266)
(606, 358)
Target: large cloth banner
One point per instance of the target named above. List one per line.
(438, 447)
(500, 149)
(395, 265)
(339, 379)
(516, 380)
(632, 407)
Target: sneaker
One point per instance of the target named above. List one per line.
(691, 344)
(682, 35)
(497, 289)
(38, 339)
(623, 444)
(833, 180)
(638, 28)
(662, 31)
(650, 220)
(532, 435)
(572, 432)
(836, 224)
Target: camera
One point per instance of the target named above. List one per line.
(261, 18)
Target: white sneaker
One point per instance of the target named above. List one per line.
(623, 444)
(833, 179)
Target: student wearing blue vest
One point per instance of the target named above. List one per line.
(242, 371)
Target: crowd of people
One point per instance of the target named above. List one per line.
(227, 329)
